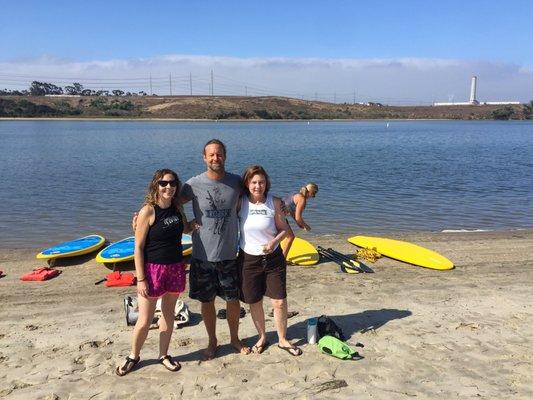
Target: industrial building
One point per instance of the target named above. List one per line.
(473, 99)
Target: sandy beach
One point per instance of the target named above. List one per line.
(463, 333)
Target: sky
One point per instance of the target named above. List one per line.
(397, 52)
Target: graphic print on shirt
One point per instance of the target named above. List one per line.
(220, 214)
(170, 222)
(257, 212)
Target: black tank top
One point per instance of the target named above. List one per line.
(163, 242)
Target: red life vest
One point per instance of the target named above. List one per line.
(117, 278)
(40, 274)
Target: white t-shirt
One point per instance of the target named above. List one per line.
(257, 225)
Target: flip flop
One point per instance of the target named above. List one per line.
(127, 367)
(292, 350)
(259, 349)
(169, 364)
(290, 314)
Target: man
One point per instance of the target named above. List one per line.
(214, 195)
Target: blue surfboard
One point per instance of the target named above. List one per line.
(73, 248)
(118, 252)
(124, 249)
(186, 244)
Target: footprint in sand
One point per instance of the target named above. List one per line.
(31, 327)
(79, 360)
(95, 344)
(184, 342)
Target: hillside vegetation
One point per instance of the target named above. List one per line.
(238, 108)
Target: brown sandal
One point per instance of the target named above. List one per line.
(127, 367)
(169, 364)
(258, 349)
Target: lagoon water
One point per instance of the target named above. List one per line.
(65, 179)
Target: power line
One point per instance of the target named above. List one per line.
(225, 86)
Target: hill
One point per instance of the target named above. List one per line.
(239, 108)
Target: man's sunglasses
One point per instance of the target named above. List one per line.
(165, 183)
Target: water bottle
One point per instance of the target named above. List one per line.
(312, 330)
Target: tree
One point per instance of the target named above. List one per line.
(75, 89)
(44, 88)
(118, 92)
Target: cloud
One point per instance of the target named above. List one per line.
(390, 80)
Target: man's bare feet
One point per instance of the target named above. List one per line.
(210, 352)
(240, 347)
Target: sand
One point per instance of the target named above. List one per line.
(465, 333)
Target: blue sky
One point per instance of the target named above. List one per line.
(490, 33)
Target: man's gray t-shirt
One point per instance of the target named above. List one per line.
(214, 205)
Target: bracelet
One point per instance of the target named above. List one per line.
(141, 280)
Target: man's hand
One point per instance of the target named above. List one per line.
(284, 209)
(193, 225)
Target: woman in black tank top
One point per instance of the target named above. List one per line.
(158, 264)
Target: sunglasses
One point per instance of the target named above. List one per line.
(165, 183)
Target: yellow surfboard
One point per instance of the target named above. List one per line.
(403, 251)
(302, 252)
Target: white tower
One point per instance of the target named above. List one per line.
(473, 91)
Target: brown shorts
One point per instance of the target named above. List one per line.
(264, 275)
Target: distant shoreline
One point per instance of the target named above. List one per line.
(143, 119)
(235, 108)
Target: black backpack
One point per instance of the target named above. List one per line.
(326, 326)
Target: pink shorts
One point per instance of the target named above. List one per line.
(165, 278)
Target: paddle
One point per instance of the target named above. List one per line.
(345, 266)
(358, 264)
(342, 257)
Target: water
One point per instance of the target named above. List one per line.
(64, 179)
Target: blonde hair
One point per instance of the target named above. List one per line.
(309, 187)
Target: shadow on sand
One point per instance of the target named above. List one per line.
(350, 323)
(71, 261)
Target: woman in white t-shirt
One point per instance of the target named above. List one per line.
(262, 267)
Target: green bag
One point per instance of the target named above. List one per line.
(337, 348)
